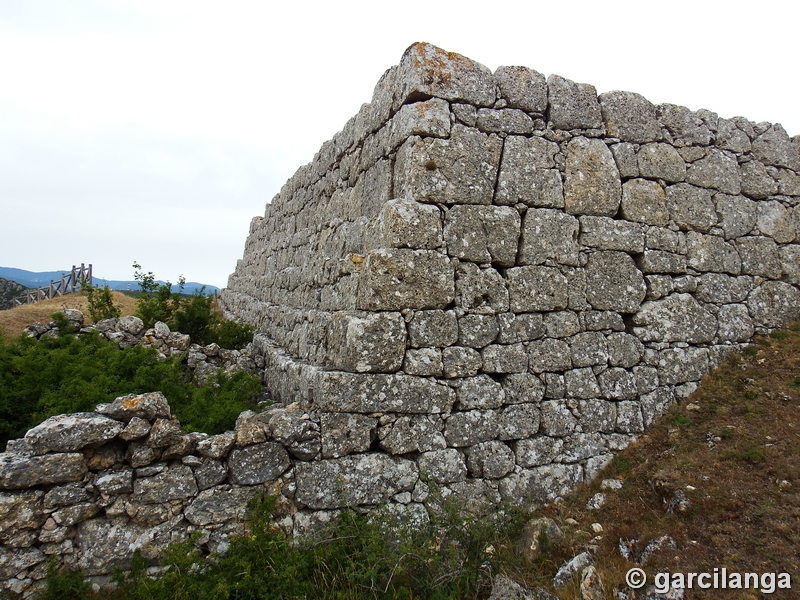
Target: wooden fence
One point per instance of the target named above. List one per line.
(77, 278)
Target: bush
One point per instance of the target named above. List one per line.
(39, 379)
(101, 303)
(156, 301)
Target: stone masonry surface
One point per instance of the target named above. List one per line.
(486, 283)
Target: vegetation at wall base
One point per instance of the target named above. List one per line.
(101, 302)
(68, 374)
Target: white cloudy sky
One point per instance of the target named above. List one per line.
(155, 130)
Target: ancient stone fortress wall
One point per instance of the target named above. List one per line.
(481, 288)
(500, 279)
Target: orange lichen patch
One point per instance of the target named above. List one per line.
(132, 403)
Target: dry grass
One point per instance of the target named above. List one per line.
(734, 450)
(14, 320)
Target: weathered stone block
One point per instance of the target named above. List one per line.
(735, 324)
(428, 118)
(618, 384)
(629, 117)
(67, 433)
(367, 343)
(404, 223)
(588, 349)
(711, 253)
(540, 485)
(549, 355)
(345, 433)
(425, 362)
(518, 421)
(479, 392)
(480, 290)
(581, 383)
(442, 466)
(353, 480)
(220, 505)
(539, 450)
(470, 427)
(624, 350)
(173, 483)
(257, 464)
(717, 288)
(625, 156)
(676, 318)
(458, 361)
(490, 460)
(433, 328)
(412, 433)
(534, 289)
(522, 88)
(337, 391)
(774, 147)
(592, 184)
(756, 182)
(549, 234)
(691, 207)
(18, 472)
(629, 417)
(395, 279)
(678, 365)
(613, 282)
(775, 221)
(150, 406)
(528, 173)
(482, 234)
(644, 202)
(684, 125)
(760, 256)
(427, 70)
(458, 170)
(557, 419)
(504, 120)
(476, 330)
(505, 358)
(773, 303)
(790, 263)
(522, 388)
(597, 415)
(519, 328)
(737, 215)
(572, 105)
(661, 161)
(605, 233)
(658, 261)
(561, 324)
(718, 170)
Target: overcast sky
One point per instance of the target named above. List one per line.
(153, 131)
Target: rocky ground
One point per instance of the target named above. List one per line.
(8, 290)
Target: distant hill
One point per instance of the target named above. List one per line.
(31, 279)
(8, 290)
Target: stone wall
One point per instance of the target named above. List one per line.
(486, 284)
(505, 278)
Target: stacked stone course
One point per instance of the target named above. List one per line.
(484, 285)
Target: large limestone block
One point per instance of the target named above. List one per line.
(258, 463)
(737, 215)
(426, 70)
(345, 433)
(173, 483)
(429, 118)
(412, 433)
(760, 256)
(105, 544)
(458, 170)
(396, 279)
(572, 105)
(774, 147)
(614, 283)
(549, 234)
(433, 329)
(504, 120)
(644, 202)
(679, 365)
(676, 318)
(353, 480)
(535, 289)
(522, 88)
(549, 355)
(712, 253)
(775, 221)
(735, 324)
(528, 173)
(470, 427)
(661, 161)
(539, 485)
(774, 303)
(337, 391)
(219, 505)
(367, 343)
(605, 233)
(20, 511)
(718, 170)
(691, 207)
(630, 117)
(756, 182)
(480, 290)
(67, 433)
(685, 125)
(490, 460)
(150, 406)
(404, 223)
(18, 472)
(482, 234)
(592, 184)
(442, 466)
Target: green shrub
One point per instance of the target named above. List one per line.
(156, 301)
(64, 584)
(232, 334)
(101, 302)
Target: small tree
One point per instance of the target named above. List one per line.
(156, 301)
(101, 302)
